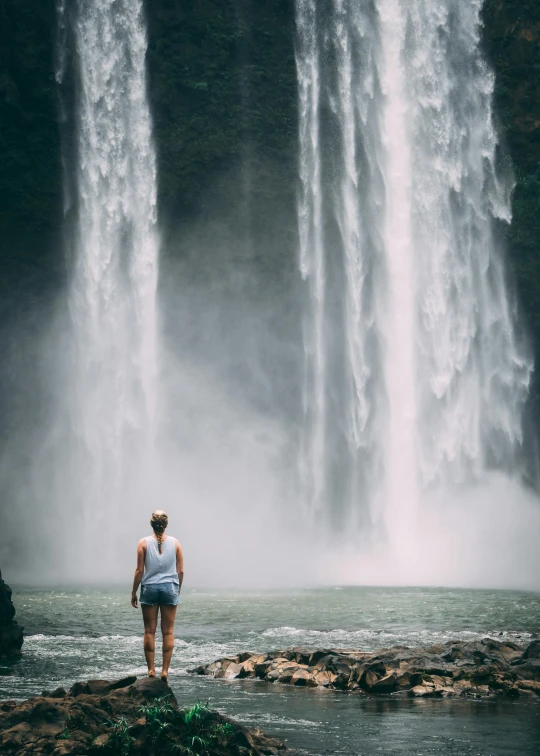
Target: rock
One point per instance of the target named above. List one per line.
(533, 650)
(324, 678)
(300, 677)
(530, 685)
(261, 668)
(97, 687)
(244, 656)
(316, 656)
(378, 667)
(436, 650)
(356, 672)
(478, 668)
(11, 633)
(341, 680)
(510, 652)
(287, 671)
(84, 724)
(408, 680)
(368, 679)
(528, 669)
(462, 687)
(232, 671)
(341, 668)
(302, 655)
(149, 687)
(421, 691)
(324, 662)
(386, 684)
(248, 668)
(123, 682)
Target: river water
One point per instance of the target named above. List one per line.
(81, 633)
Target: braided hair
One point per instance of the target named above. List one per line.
(159, 522)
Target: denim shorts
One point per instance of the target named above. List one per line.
(160, 593)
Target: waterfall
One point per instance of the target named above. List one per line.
(416, 378)
(112, 297)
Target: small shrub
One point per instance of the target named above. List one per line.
(120, 741)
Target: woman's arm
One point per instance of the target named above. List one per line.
(139, 571)
(179, 564)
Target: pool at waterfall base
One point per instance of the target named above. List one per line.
(80, 633)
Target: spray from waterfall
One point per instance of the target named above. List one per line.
(416, 378)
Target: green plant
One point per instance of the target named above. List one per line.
(156, 715)
(202, 732)
(64, 734)
(120, 741)
(198, 714)
(222, 733)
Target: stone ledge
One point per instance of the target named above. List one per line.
(456, 668)
(130, 717)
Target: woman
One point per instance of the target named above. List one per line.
(160, 572)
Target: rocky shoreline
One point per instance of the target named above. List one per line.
(457, 668)
(128, 717)
(11, 633)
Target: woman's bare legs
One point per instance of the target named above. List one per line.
(168, 614)
(150, 614)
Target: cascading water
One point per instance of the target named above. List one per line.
(112, 299)
(415, 379)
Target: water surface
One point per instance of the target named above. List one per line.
(74, 634)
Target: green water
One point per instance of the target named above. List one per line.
(94, 632)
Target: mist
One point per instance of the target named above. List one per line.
(326, 392)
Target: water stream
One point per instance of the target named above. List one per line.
(112, 296)
(415, 375)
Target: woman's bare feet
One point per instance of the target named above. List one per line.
(165, 677)
(151, 673)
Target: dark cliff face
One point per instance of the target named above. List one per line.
(512, 41)
(223, 94)
(11, 634)
(30, 179)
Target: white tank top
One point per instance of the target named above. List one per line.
(160, 568)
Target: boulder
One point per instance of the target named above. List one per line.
(422, 691)
(368, 679)
(287, 671)
(302, 655)
(385, 684)
(408, 680)
(248, 668)
(533, 650)
(378, 667)
(261, 668)
(244, 656)
(11, 633)
(356, 672)
(530, 685)
(231, 671)
(528, 669)
(341, 680)
(303, 677)
(114, 720)
(323, 677)
(325, 662)
(316, 656)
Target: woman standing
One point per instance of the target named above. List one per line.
(160, 572)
